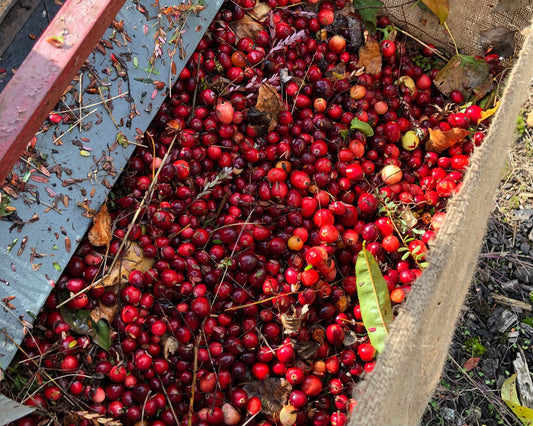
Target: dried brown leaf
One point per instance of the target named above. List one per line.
(471, 363)
(170, 346)
(104, 312)
(463, 73)
(100, 233)
(272, 392)
(246, 27)
(292, 322)
(269, 102)
(370, 57)
(132, 258)
(441, 140)
(260, 11)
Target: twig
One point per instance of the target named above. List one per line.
(80, 99)
(75, 124)
(107, 108)
(140, 208)
(511, 303)
(483, 392)
(122, 95)
(194, 377)
(437, 52)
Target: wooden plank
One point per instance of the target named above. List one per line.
(43, 76)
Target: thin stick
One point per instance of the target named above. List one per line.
(122, 95)
(482, 391)
(75, 124)
(107, 107)
(147, 196)
(80, 100)
(437, 52)
(451, 36)
(194, 377)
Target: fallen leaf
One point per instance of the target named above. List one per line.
(170, 346)
(374, 299)
(509, 395)
(291, 322)
(56, 41)
(338, 72)
(441, 8)
(260, 11)
(489, 112)
(463, 73)
(408, 217)
(269, 102)
(104, 312)
(272, 392)
(133, 258)
(306, 350)
(246, 27)
(499, 40)
(368, 9)
(100, 233)
(407, 82)
(439, 141)
(471, 363)
(370, 57)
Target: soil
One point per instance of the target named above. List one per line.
(497, 322)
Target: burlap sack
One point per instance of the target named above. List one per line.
(409, 368)
(467, 20)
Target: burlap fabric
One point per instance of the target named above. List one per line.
(409, 368)
(467, 19)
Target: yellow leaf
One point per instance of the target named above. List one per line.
(486, 114)
(441, 8)
(100, 233)
(133, 258)
(439, 141)
(510, 397)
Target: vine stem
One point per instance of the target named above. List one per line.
(452, 37)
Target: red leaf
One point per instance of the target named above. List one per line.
(471, 363)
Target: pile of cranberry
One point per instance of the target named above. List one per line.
(254, 226)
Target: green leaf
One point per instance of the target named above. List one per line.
(368, 9)
(441, 8)
(363, 127)
(374, 299)
(135, 61)
(122, 139)
(510, 397)
(102, 338)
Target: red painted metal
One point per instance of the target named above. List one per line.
(47, 71)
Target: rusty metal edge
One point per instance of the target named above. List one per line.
(44, 75)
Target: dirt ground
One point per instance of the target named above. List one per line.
(497, 323)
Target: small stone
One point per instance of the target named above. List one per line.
(527, 329)
(525, 248)
(524, 274)
(489, 366)
(510, 285)
(474, 414)
(512, 336)
(524, 214)
(502, 320)
(530, 235)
